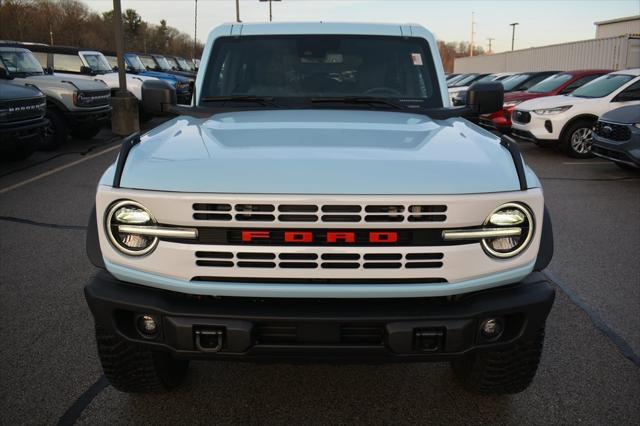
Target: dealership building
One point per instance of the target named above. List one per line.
(616, 46)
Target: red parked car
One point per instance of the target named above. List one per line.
(557, 84)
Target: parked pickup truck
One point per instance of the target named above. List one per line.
(74, 106)
(320, 201)
(22, 119)
(183, 85)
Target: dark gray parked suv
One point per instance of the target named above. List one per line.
(616, 136)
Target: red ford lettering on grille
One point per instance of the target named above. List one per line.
(298, 237)
(330, 237)
(248, 236)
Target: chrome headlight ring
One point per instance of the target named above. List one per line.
(120, 245)
(527, 225)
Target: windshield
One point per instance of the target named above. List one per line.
(465, 80)
(113, 61)
(327, 66)
(20, 62)
(134, 62)
(550, 84)
(514, 81)
(172, 62)
(488, 78)
(184, 64)
(163, 63)
(97, 62)
(601, 86)
(148, 61)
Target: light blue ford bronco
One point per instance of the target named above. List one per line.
(320, 201)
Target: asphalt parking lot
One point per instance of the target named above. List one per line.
(49, 370)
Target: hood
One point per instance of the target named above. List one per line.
(523, 96)
(319, 152)
(628, 115)
(13, 92)
(552, 102)
(164, 76)
(82, 84)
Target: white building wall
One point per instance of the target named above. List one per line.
(606, 53)
(615, 29)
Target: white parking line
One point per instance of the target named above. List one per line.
(58, 169)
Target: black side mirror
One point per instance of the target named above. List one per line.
(4, 75)
(115, 68)
(86, 70)
(485, 98)
(48, 71)
(158, 96)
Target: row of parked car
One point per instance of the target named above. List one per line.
(584, 112)
(51, 92)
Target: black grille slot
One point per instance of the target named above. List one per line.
(297, 218)
(24, 109)
(254, 208)
(215, 263)
(427, 213)
(340, 218)
(298, 265)
(362, 334)
(424, 256)
(341, 209)
(428, 218)
(298, 256)
(427, 209)
(340, 256)
(244, 217)
(340, 265)
(275, 333)
(266, 256)
(521, 116)
(298, 208)
(383, 218)
(212, 207)
(382, 265)
(382, 256)
(211, 216)
(384, 209)
(420, 265)
(611, 131)
(249, 264)
(214, 254)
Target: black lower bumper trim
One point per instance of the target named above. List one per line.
(24, 131)
(89, 118)
(312, 329)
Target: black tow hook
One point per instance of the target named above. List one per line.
(209, 339)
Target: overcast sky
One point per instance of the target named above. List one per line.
(541, 22)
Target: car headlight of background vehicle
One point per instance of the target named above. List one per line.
(122, 214)
(549, 111)
(182, 85)
(4, 115)
(506, 232)
(510, 104)
(637, 125)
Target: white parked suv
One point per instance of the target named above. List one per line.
(568, 119)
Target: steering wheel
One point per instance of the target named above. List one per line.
(382, 90)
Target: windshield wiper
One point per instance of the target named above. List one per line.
(368, 100)
(262, 100)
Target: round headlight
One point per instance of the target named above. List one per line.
(510, 215)
(130, 213)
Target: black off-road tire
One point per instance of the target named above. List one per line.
(133, 368)
(57, 132)
(503, 371)
(85, 132)
(567, 135)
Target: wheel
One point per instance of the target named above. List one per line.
(501, 371)
(85, 132)
(133, 368)
(57, 132)
(577, 139)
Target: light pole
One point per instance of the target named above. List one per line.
(513, 33)
(490, 40)
(270, 9)
(238, 11)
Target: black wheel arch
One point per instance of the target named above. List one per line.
(545, 252)
(581, 117)
(92, 242)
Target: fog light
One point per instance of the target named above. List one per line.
(147, 324)
(492, 328)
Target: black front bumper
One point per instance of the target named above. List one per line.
(89, 118)
(13, 134)
(312, 329)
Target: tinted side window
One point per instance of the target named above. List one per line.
(66, 62)
(631, 93)
(579, 82)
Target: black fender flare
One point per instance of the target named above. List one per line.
(545, 252)
(92, 242)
